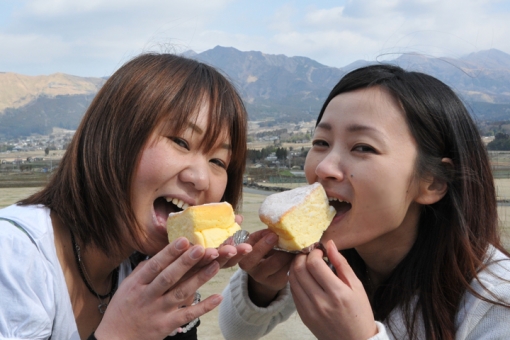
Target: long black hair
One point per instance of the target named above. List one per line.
(455, 233)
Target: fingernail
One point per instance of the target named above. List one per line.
(216, 299)
(197, 252)
(211, 268)
(181, 244)
(230, 255)
(271, 238)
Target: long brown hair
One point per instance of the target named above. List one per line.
(455, 233)
(91, 189)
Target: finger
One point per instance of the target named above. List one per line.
(271, 265)
(180, 293)
(210, 255)
(330, 282)
(321, 272)
(342, 267)
(302, 284)
(299, 296)
(257, 236)
(239, 219)
(226, 252)
(260, 249)
(154, 266)
(242, 250)
(299, 274)
(173, 273)
(281, 276)
(185, 315)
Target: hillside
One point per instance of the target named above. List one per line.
(274, 87)
(18, 90)
(293, 86)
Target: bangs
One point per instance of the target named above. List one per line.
(225, 110)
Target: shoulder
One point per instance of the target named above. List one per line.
(27, 284)
(496, 275)
(35, 219)
(482, 310)
(22, 250)
(493, 280)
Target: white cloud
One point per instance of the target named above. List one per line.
(369, 28)
(91, 37)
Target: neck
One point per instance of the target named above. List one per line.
(98, 266)
(382, 255)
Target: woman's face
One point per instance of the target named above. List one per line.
(175, 172)
(364, 155)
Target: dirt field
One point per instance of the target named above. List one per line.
(293, 329)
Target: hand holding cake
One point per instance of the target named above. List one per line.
(298, 216)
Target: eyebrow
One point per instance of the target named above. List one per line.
(196, 128)
(356, 128)
(350, 128)
(359, 127)
(226, 146)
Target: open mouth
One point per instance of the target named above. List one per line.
(340, 206)
(164, 206)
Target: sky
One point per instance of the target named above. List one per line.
(93, 38)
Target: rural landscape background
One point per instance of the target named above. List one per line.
(38, 116)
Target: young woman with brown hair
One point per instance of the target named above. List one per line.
(415, 241)
(163, 132)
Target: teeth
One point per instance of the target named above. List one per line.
(332, 199)
(180, 203)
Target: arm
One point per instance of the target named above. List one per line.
(240, 319)
(257, 297)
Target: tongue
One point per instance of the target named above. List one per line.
(341, 207)
(162, 209)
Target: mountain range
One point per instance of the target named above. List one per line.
(276, 87)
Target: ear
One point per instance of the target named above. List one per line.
(432, 189)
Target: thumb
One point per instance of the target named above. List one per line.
(342, 267)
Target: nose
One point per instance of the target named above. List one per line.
(330, 167)
(197, 174)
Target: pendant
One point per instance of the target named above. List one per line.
(102, 307)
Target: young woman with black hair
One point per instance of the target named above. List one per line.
(415, 242)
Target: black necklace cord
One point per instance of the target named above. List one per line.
(115, 274)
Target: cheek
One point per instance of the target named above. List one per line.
(147, 166)
(218, 186)
(309, 168)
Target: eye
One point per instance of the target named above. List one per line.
(319, 143)
(219, 163)
(363, 148)
(179, 141)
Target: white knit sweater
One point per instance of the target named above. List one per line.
(240, 319)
